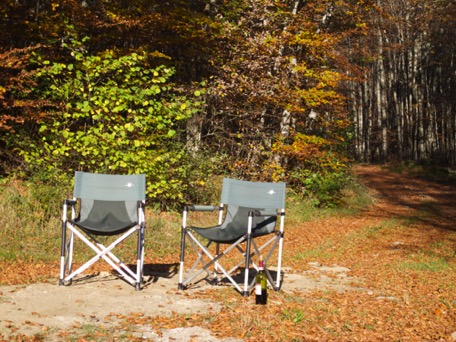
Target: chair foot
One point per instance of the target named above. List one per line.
(277, 288)
(62, 282)
(246, 294)
(213, 281)
(181, 286)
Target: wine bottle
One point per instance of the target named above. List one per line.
(261, 295)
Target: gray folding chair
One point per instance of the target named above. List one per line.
(104, 205)
(248, 213)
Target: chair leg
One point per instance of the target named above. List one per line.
(247, 267)
(202, 252)
(217, 253)
(140, 258)
(180, 285)
(63, 254)
(66, 256)
(278, 284)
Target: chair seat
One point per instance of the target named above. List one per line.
(109, 226)
(235, 227)
(107, 217)
(218, 235)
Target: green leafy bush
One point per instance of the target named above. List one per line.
(114, 115)
(313, 168)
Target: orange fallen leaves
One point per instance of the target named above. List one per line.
(394, 302)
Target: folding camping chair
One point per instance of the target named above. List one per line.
(103, 206)
(248, 213)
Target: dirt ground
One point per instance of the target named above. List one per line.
(102, 299)
(45, 309)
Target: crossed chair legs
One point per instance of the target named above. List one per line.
(104, 252)
(101, 252)
(215, 271)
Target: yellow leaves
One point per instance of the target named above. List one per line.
(328, 78)
(305, 37)
(318, 96)
(157, 54)
(112, 15)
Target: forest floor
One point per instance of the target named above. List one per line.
(387, 273)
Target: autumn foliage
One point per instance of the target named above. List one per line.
(271, 72)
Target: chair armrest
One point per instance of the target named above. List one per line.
(70, 202)
(203, 207)
(265, 212)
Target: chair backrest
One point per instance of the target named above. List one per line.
(261, 195)
(104, 187)
(243, 196)
(109, 203)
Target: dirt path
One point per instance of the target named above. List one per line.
(45, 308)
(52, 313)
(397, 194)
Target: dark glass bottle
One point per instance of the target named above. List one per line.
(261, 295)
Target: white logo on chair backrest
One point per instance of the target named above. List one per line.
(129, 185)
(271, 192)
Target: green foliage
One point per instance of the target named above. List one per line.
(203, 178)
(324, 189)
(311, 165)
(117, 115)
(294, 315)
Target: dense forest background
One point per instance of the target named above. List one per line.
(188, 90)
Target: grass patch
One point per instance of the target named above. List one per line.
(28, 215)
(293, 315)
(426, 265)
(356, 197)
(320, 252)
(377, 230)
(436, 256)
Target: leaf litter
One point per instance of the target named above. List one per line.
(387, 273)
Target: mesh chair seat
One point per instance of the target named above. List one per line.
(234, 226)
(104, 229)
(107, 217)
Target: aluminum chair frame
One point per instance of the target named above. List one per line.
(115, 188)
(237, 192)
